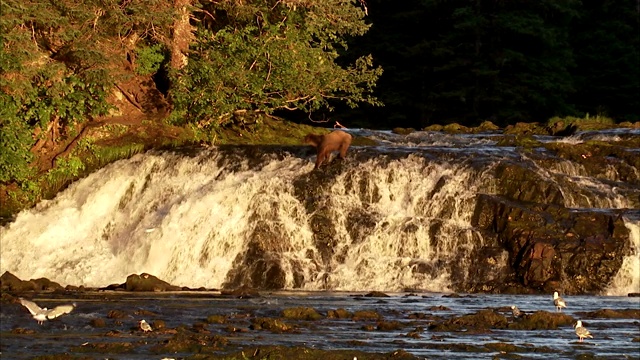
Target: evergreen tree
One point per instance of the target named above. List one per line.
(470, 61)
(606, 42)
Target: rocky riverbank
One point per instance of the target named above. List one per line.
(249, 324)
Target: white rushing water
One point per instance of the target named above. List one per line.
(628, 278)
(397, 224)
(186, 219)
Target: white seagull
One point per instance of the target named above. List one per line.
(144, 326)
(582, 331)
(43, 314)
(558, 302)
(515, 311)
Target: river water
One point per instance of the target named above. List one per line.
(612, 337)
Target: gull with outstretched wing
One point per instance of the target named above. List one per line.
(43, 314)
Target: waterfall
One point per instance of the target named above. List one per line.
(188, 218)
(628, 278)
(422, 213)
(391, 218)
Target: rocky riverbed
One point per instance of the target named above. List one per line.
(250, 324)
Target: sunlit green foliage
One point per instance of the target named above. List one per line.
(264, 56)
(58, 66)
(149, 59)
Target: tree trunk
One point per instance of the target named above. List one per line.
(182, 34)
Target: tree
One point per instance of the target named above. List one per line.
(606, 39)
(261, 56)
(58, 65)
(471, 61)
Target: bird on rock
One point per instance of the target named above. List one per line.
(558, 301)
(44, 314)
(144, 326)
(582, 331)
(515, 311)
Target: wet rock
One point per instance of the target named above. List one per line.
(305, 353)
(98, 323)
(200, 327)
(243, 292)
(216, 319)
(434, 127)
(561, 128)
(376, 294)
(22, 331)
(633, 294)
(549, 245)
(402, 131)
(368, 327)
(526, 129)
(366, 315)
(542, 320)
(106, 348)
(10, 282)
(424, 316)
(502, 347)
(143, 312)
(482, 320)
(452, 296)
(113, 287)
(44, 284)
(389, 325)
(188, 342)
(116, 314)
(485, 126)
(6, 297)
(259, 266)
(158, 324)
(456, 128)
(274, 325)
(611, 314)
(147, 282)
(339, 314)
(301, 313)
(74, 288)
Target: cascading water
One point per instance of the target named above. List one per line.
(627, 280)
(391, 218)
(421, 220)
(186, 219)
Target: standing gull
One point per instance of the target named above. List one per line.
(43, 314)
(515, 311)
(582, 331)
(145, 325)
(558, 302)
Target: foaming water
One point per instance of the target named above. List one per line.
(628, 278)
(181, 218)
(186, 219)
(400, 219)
(422, 214)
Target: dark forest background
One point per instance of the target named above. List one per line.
(503, 61)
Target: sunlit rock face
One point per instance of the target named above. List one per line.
(425, 210)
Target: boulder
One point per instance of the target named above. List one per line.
(146, 282)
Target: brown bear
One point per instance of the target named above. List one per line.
(325, 144)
